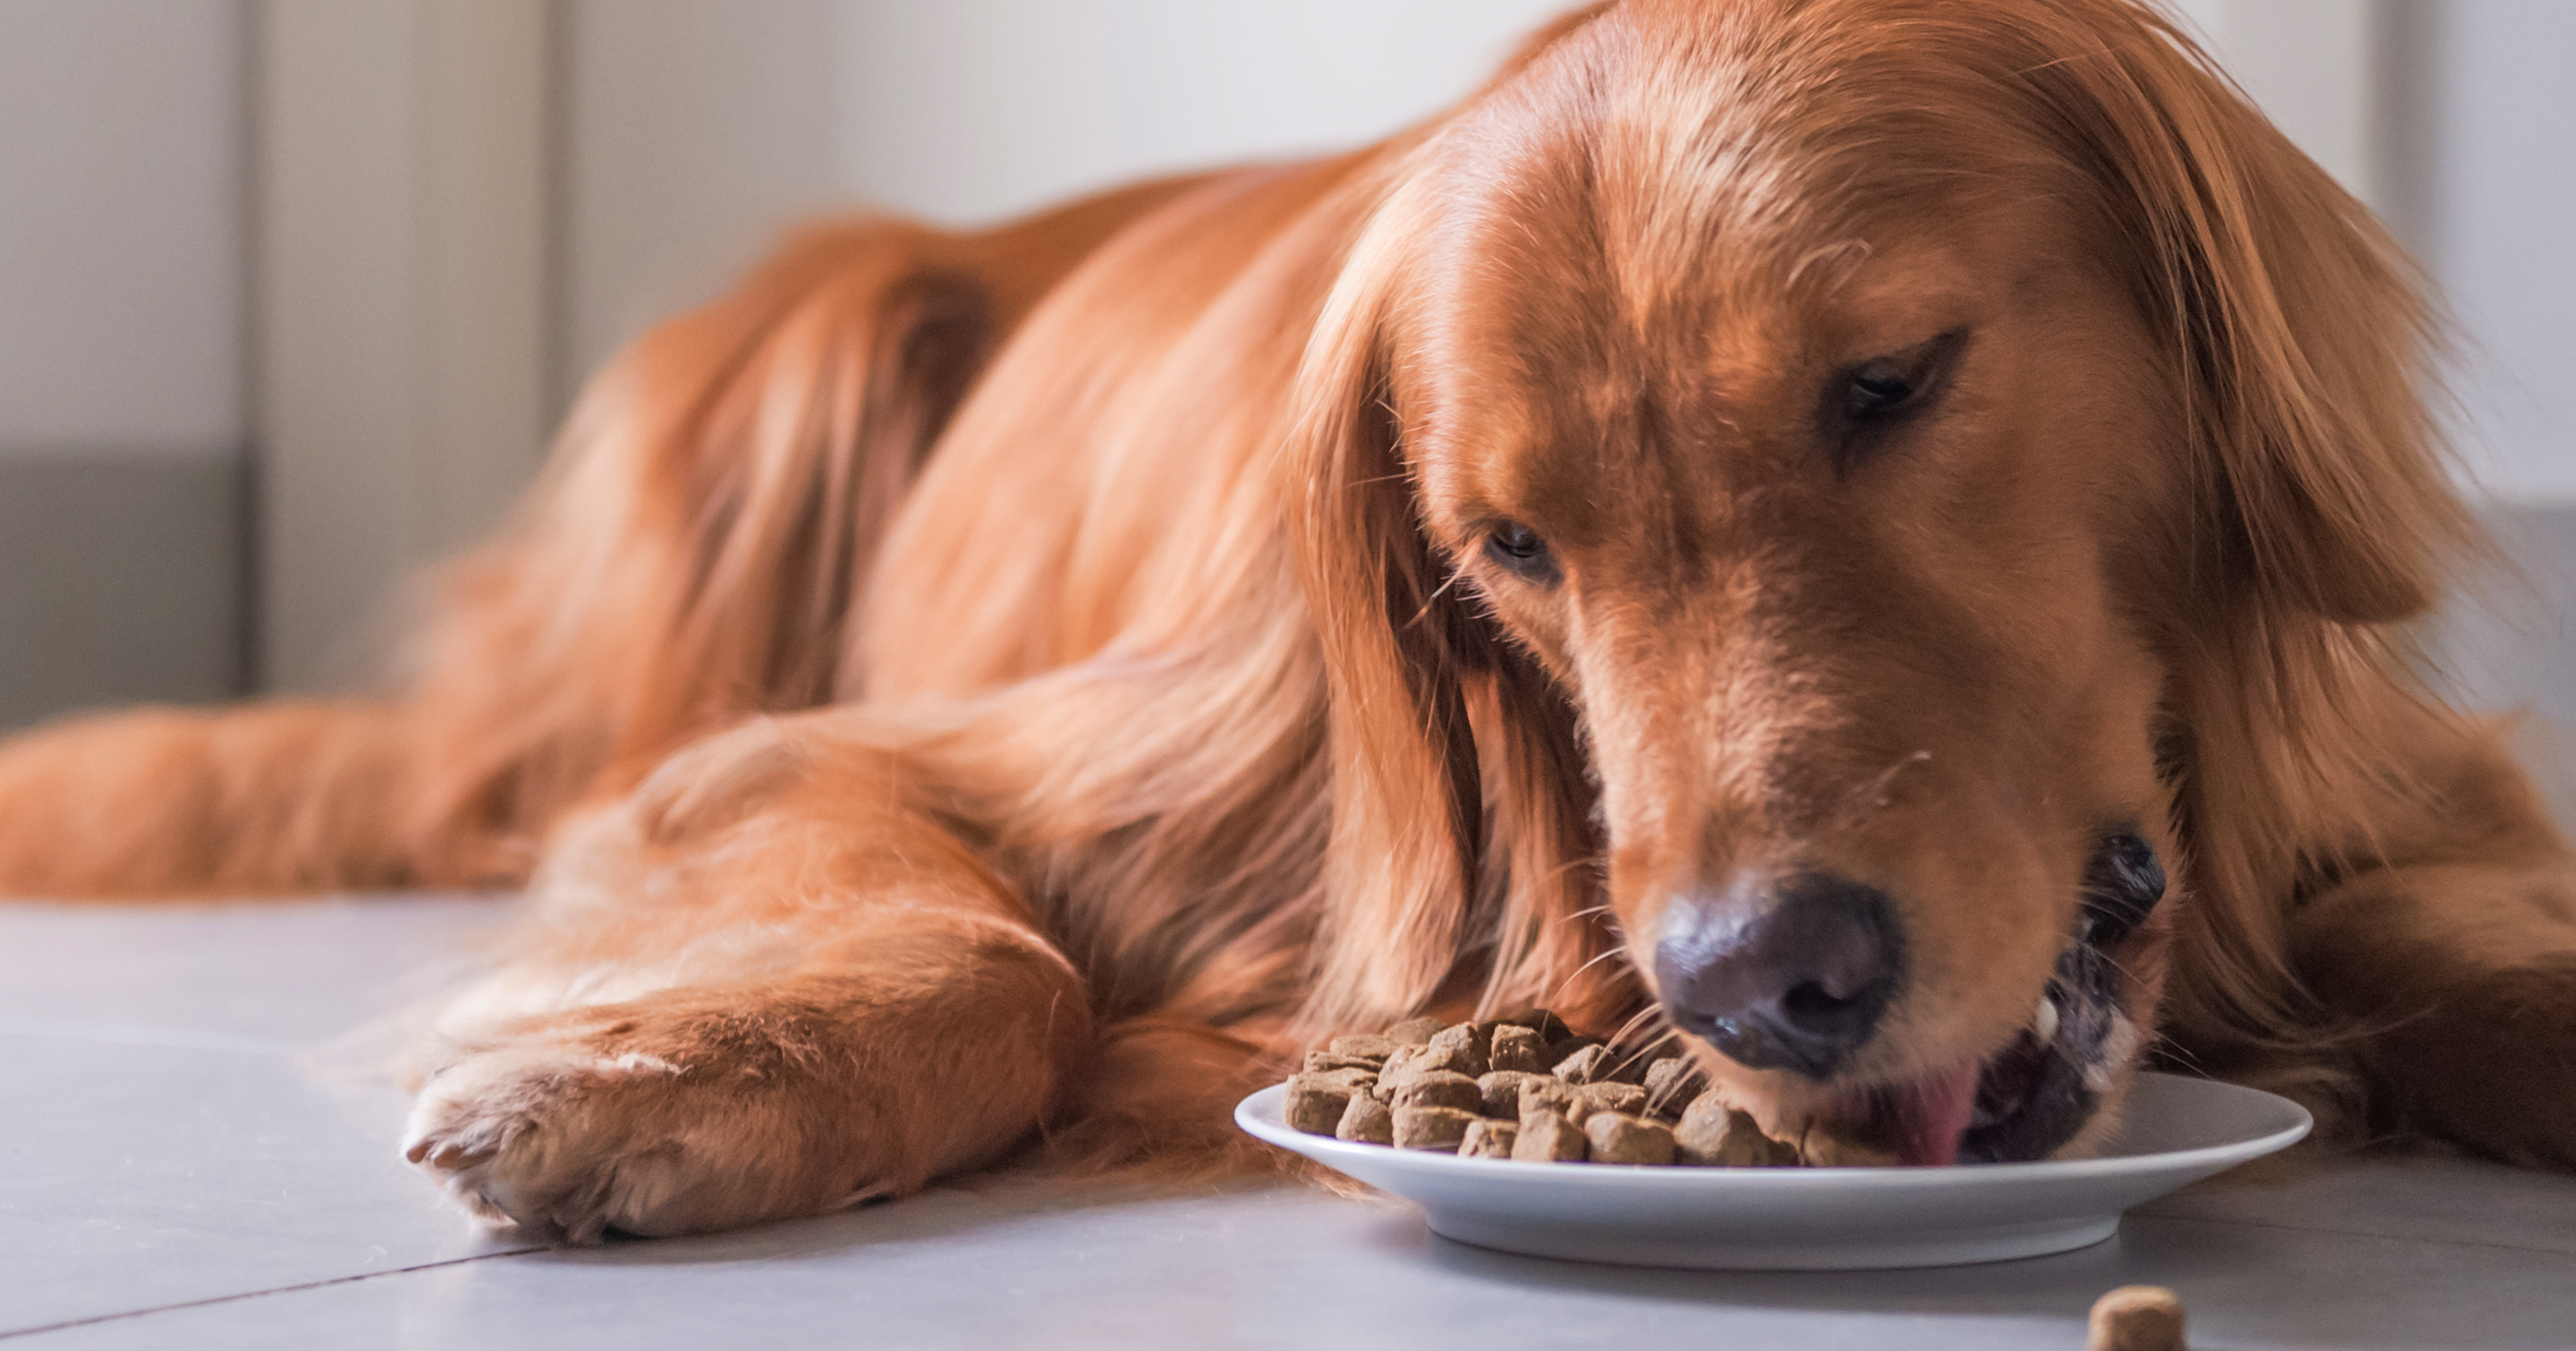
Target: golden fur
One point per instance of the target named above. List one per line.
(967, 687)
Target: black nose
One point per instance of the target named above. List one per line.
(1792, 976)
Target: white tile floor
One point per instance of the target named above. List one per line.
(193, 1154)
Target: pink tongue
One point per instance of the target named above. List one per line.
(1931, 1113)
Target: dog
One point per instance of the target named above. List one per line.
(1871, 539)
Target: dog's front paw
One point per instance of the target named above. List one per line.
(545, 1136)
(569, 1137)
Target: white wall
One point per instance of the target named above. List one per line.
(2454, 119)
(2312, 66)
(2498, 211)
(698, 131)
(121, 228)
(405, 304)
(979, 108)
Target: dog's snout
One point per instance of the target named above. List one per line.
(1785, 975)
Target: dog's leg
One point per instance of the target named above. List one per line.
(2462, 981)
(2456, 968)
(767, 985)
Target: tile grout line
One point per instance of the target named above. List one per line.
(2352, 1233)
(68, 1323)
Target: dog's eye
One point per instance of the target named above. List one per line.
(1877, 388)
(1874, 397)
(1517, 549)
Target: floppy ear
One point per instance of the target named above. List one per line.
(1408, 812)
(2323, 507)
(1461, 836)
(2298, 324)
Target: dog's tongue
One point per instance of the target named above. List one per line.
(1931, 1113)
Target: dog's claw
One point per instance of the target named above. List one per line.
(455, 1158)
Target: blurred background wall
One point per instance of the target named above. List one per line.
(292, 291)
(124, 431)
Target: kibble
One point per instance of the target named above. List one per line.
(1365, 1046)
(1671, 1084)
(1325, 1062)
(1584, 1066)
(1488, 1139)
(1502, 1090)
(1367, 1120)
(1713, 1134)
(1437, 1128)
(1540, 1093)
(1514, 1048)
(1479, 1090)
(1414, 1031)
(1617, 1137)
(1439, 1088)
(1316, 1101)
(1615, 1097)
(1547, 1137)
(2136, 1318)
(1467, 1045)
(1409, 1061)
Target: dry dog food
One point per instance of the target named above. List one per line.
(1524, 1087)
(2136, 1318)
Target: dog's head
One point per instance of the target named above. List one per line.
(1817, 460)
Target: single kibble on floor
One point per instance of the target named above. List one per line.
(1466, 1043)
(1414, 1031)
(1616, 1137)
(1614, 1097)
(1715, 1135)
(2136, 1318)
(1364, 1046)
(1316, 1102)
(1502, 1090)
(1367, 1121)
(1438, 1088)
(1542, 1094)
(1435, 1128)
(1547, 1137)
(1584, 1066)
(1514, 1048)
(1488, 1139)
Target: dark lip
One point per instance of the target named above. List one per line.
(2031, 1100)
(2035, 1095)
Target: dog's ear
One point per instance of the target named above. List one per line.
(1408, 809)
(1461, 830)
(2298, 325)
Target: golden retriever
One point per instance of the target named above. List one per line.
(1870, 536)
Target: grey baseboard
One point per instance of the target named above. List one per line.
(122, 580)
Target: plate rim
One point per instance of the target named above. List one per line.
(1258, 1115)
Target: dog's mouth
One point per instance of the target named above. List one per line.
(2036, 1093)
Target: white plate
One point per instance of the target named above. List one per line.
(2178, 1132)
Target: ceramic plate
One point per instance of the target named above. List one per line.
(2179, 1131)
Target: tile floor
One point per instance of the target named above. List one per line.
(196, 1151)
